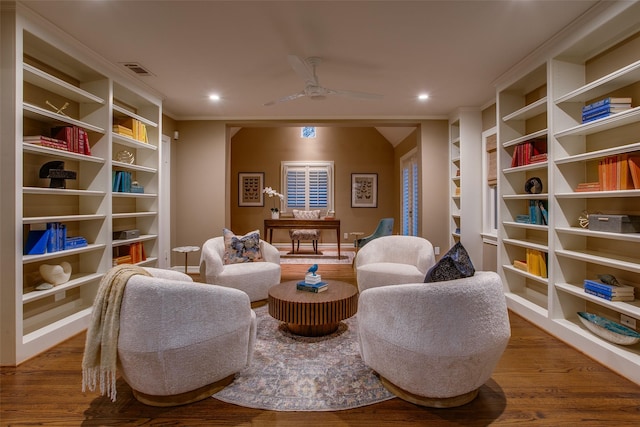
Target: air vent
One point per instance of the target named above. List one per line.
(137, 68)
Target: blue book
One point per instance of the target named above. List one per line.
(605, 101)
(607, 289)
(37, 241)
(625, 297)
(316, 287)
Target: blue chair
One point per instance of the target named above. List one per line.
(385, 228)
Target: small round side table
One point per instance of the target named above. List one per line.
(185, 250)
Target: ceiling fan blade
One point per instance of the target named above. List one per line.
(303, 69)
(285, 99)
(354, 94)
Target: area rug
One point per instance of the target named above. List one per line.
(325, 257)
(294, 373)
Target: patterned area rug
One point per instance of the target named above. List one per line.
(293, 373)
(308, 257)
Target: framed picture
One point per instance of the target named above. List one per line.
(250, 185)
(364, 190)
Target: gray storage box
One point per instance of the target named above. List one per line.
(615, 223)
(126, 234)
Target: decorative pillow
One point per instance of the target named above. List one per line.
(455, 264)
(239, 249)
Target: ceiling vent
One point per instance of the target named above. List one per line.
(137, 68)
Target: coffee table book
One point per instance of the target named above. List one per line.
(315, 287)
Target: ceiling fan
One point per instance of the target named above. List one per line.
(306, 69)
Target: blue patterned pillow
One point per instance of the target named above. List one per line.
(238, 249)
(455, 264)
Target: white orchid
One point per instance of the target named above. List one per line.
(273, 193)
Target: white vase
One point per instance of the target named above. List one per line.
(275, 215)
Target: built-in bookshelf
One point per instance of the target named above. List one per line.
(454, 181)
(465, 206)
(598, 60)
(57, 87)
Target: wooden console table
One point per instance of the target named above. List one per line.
(313, 224)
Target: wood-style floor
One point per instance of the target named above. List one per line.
(539, 381)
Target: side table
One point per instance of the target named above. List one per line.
(186, 250)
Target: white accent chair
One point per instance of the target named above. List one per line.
(393, 260)
(305, 234)
(435, 344)
(182, 341)
(253, 278)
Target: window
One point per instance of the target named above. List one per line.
(307, 185)
(410, 192)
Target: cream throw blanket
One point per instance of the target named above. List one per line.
(101, 347)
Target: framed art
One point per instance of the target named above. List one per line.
(364, 190)
(250, 186)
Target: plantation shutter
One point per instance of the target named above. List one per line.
(405, 200)
(318, 188)
(414, 223)
(492, 160)
(296, 188)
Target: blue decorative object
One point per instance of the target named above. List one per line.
(609, 330)
(313, 269)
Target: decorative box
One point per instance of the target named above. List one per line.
(614, 223)
(126, 234)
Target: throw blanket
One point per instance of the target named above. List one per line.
(101, 347)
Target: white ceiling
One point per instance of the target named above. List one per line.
(452, 50)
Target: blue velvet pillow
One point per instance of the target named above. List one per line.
(238, 249)
(455, 264)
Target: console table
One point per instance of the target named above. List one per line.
(313, 224)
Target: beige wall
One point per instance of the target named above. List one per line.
(352, 149)
(434, 162)
(199, 195)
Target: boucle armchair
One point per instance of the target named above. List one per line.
(393, 260)
(253, 278)
(435, 344)
(182, 341)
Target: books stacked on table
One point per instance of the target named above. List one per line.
(604, 108)
(312, 283)
(609, 292)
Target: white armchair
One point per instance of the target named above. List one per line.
(435, 344)
(393, 260)
(253, 278)
(182, 341)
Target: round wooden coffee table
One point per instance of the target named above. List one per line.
(313, 314)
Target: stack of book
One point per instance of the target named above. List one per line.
(616, 172)
(76, 138)
(129, 254)
(604, 108)
(609, 292)
(46, 141)
(312, 283)
(122, 181)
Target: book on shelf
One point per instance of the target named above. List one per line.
(129, 254)
(536, 262)
(609, 297)
(315, 288)
(586, 118)
(76, 138)
(615, 173)
(520, 265)
(46, 141)
(634, 168)
(606, 288)
(529, 152)
(587, 186)
(132, 128)
(538, 213)
(615, 101)
(122, 181)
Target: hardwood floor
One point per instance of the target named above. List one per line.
(539, 381)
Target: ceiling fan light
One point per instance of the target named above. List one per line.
(423, 97)
(214, 97)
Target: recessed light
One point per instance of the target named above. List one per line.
(214, 97)
(423, 97)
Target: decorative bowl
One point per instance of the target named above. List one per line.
(609, 330)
